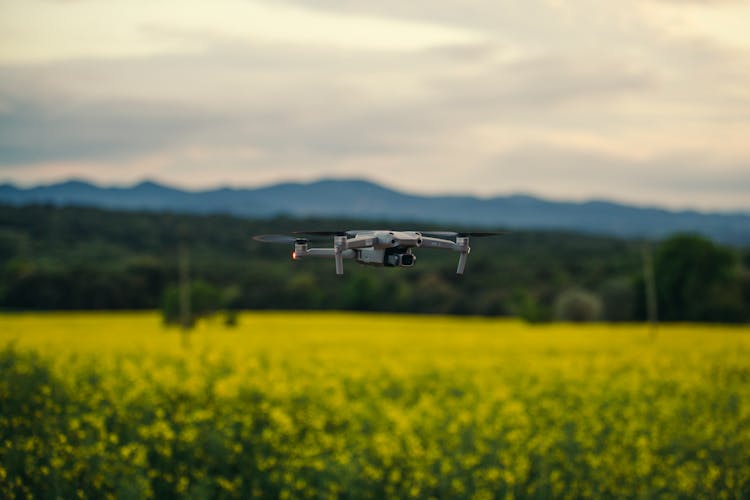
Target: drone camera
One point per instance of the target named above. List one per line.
(407, 260)
(400, 260)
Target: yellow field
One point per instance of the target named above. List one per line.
(370, 406)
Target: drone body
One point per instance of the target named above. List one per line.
(377, 247)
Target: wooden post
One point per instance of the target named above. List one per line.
(184, 271)
(649, 281)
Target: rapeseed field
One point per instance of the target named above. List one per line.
(328, 405)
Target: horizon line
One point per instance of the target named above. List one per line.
(301, 182)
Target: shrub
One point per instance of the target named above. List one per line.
(575, 304)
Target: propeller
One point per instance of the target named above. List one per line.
(283, 239)
(463, 234)
(286, 239)
(322, 233)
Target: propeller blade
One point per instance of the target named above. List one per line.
(480, 234)
(321, 233)
(283, 239)
(439, 234)
(463, 234)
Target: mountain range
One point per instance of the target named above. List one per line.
(365, 200)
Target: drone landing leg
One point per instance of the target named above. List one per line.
(463, 246)
(339, 244)
(462, 263)
(339, 263)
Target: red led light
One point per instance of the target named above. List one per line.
(294, 255)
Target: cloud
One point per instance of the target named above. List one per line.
(568, 99)
(676, 181)
(32, 132)
(41, 31)
(723, 22)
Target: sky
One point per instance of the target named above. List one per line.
(644, 101)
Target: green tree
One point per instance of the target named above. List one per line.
(697, 280)
(618, 299)
(205, 300)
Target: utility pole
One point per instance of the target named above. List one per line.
(184, 271)
(649, 281)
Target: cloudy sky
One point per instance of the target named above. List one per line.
(643, 101)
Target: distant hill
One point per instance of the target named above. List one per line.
(365, 200)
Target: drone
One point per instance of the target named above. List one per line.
(377, 247)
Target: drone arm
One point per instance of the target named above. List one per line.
(342, 245)
(461, 245)
(338, 254)
(327, 252)
(439, 243)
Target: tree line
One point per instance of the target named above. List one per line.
(73, 258)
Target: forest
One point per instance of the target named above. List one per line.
(73, 258)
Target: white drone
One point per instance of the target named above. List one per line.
(377, 247)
